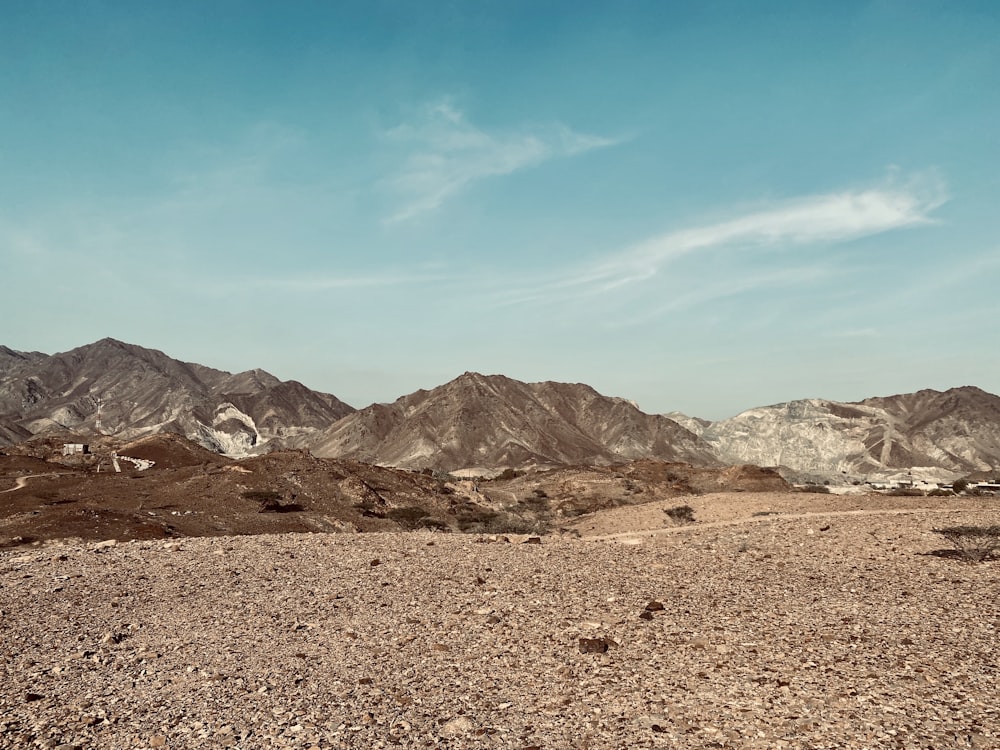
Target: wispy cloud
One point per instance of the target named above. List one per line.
(328, 282)
(829, 218)
(323, 283)
(856, 333)
(447, 154)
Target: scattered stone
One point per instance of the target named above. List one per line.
(655, 606)
(458, 725)
(595, 645)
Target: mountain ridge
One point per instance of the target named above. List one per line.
(494, 421)
(956, 431)
(128, 390)
(487, 422)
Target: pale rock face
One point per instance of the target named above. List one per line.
(804, 435)
(953, 432)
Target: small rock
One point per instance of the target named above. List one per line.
(31, 697)
(655, 606)
(158, 741)
(533, 540)
(595, 645)
(106, 544)
(458, 725)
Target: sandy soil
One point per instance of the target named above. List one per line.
(836, 631)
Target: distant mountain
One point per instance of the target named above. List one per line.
(480, 421)
(956, 430)
(135, 391)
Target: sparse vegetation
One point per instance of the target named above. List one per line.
(484, 521)
(680, 514)
(270, 502)
(973, 543)
(262, 496)
(905, 492)
(819, 489)
(938, 492)
(508, 474)
(413, 517)
(959, 486)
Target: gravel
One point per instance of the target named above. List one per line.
(839, 632)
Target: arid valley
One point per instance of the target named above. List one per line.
(156, 592)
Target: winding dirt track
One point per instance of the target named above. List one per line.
(22, 481)
(772, 517)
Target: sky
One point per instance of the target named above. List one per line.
(703, 207)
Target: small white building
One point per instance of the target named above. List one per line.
(70, 449)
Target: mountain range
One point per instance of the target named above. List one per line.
(480, 422)
(129, 391)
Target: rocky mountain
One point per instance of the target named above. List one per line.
(956, 431)
(479, 421)
(482, 423)
(128, 391)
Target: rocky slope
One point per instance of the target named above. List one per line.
(136, 391)
(821, 632)
(955, 431)
(493, 421)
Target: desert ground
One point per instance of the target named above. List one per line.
(775, 620)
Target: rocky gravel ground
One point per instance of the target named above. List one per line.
(819, 632)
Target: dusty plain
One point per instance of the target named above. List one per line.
(776, 620)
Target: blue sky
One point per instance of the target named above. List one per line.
(704, 207)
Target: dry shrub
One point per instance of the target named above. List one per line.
(413, 517)
(973, 543)
(680, 514)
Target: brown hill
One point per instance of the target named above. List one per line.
(493, 421)
(958, 428)
(190, 491)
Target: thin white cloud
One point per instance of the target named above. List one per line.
(820, 219)
(685, 296)
(350, 282)
(16, 240)
(857, 333)
(321, 283)
(447, 154)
